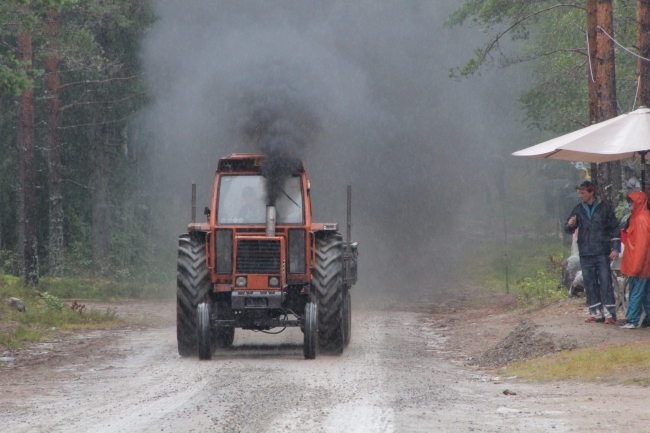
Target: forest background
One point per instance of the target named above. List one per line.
(76, 192)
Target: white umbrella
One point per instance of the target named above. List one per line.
(624, 136)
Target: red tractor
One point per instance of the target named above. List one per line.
(258, 267)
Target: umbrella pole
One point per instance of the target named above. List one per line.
(643, 170)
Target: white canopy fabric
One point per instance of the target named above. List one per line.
(618, 138)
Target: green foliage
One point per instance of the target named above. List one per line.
(51, 302)
(12, 79)
(543, 287)
(8, 261)
(16, 338)
(491, 13)
(502, 20)
(622, 210)
(42, 317)
(106, 289)
(101, 92)
(558, 102)
(551, 36)
(18, 16)
(519, 261)
(85, 289)
(44, 311)
(524, 256)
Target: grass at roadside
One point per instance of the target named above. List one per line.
(629, 362)
(533, 264)
(44, 310)
(16, 338)
(77, 288)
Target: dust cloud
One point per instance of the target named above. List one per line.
(366, 100)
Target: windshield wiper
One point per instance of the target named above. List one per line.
(297, 205)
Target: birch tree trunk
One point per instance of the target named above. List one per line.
(56, 249)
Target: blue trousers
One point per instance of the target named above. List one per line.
(597, 276)
(638, 297)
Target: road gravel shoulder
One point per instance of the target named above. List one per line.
(475, 321)
(406, 369)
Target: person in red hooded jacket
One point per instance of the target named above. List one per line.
(636, 259)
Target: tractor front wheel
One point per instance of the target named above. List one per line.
(310, 327)
(327, 290)
(204, 332)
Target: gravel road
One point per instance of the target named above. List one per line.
(397, 376)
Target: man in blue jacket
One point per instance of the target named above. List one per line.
(599, 242)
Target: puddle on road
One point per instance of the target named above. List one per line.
(359, 418)
(435, 341)
(351, 417)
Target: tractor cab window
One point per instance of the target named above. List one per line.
(242, 200)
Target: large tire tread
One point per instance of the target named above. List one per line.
(327, 290)
(204, 333)
(192, 285)
(310, 348)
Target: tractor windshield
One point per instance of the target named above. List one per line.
(242, 200)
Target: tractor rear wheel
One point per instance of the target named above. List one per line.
(310, 327)
(327, 290)
(192, 286)
(204, 333)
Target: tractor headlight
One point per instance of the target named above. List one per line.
(274, 281)
(241, 282)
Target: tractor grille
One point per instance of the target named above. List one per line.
(258, 257)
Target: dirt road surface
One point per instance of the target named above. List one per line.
(404, 371)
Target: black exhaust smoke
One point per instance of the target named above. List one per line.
(278, 120)
(360, 91)
(277, 167)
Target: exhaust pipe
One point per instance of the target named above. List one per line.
(270, 221)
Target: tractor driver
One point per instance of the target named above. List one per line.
(252, 211)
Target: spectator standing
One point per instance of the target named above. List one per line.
(636, 259)
(598, 243)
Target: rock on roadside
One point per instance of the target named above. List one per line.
(16, 304)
